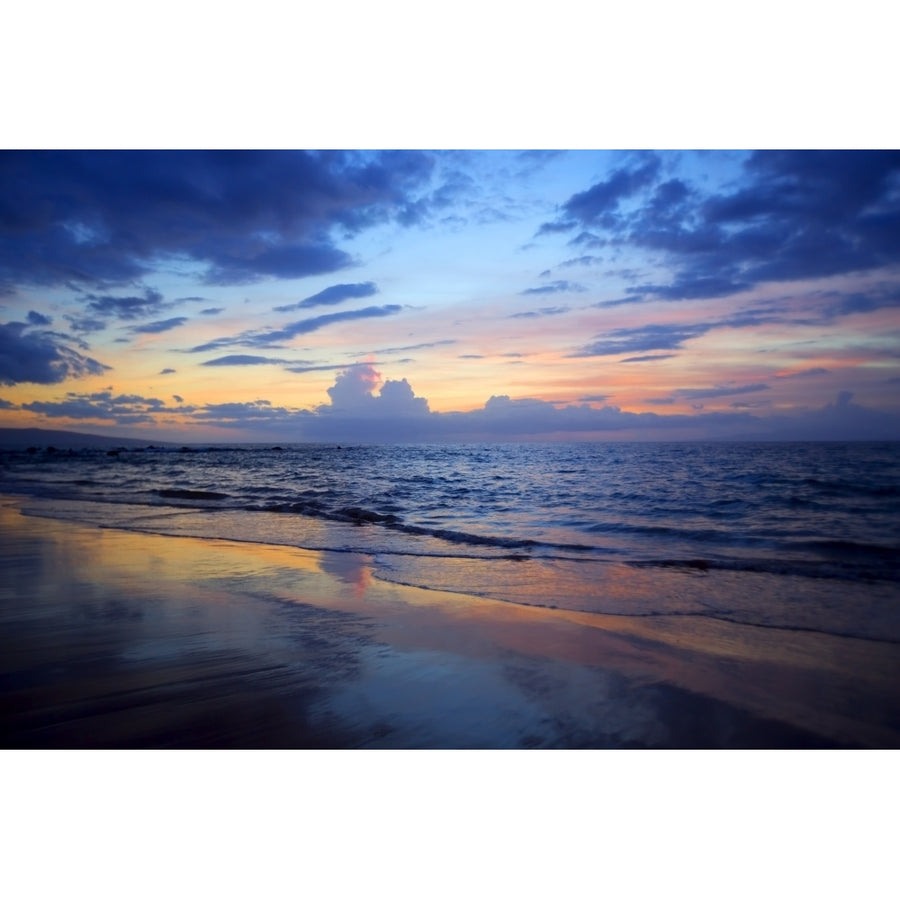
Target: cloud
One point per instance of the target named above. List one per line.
(365, 407)
(353, 391)
(792, 215)
(100, 218)
(533, 161)
(588, 240)
(543, 311)
(35, 318)
(503, 417)
(580, 261)
(875, 297)
(557, 287)
(167, 372)
(243, 360)
(334, 367)
(85, 324)
(359, 411)
(599, 203)
(639, 359)
(127, 308)
(718, 391)
(332, 295)
(621, 301)
(805, 373)
(555, 227)
(283, 261)
(695, 285)
(239, 414)
(212, 311)
(408, 347)
(124, 409)
(840, 420)
(305, 326)
(278, 336)
(40, 357)
(642, 339)
(160, 326)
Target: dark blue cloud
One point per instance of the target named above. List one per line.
(85, 324)
(40, 357)
(599, 204)
(337, 293)
(124, 409)
(695, 284)
(585, 239)
(878, 296)
(99, 218)
(557, 287)
(305, 326)
(283, 261)
(642, 339)
(455, 186)
(126, 308)
(555, 227)
(160, 326)
(793, 215)
(167, 372)
(580, 261)
(257, 413)
(277, 336)
(35, 318)
(621, 301)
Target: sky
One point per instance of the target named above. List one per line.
(416, 295)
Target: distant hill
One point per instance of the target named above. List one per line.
(22, 438)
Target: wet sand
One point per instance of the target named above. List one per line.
(113, 639)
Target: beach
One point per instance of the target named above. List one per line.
(118, 639)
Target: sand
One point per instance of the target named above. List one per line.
(114, 639)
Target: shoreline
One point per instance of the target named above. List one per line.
(120, 639)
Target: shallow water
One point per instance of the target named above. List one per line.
(799, 536)
(112, 638)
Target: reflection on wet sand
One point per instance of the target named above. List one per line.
(115, 639)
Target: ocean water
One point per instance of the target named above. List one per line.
(794, 536)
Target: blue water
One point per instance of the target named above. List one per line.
(799, 535)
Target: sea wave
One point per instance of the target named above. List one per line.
(831, 511)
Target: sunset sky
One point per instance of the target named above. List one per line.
(458, 295)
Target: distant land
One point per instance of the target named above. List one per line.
(23, 438)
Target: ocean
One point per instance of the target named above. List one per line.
(794, 536)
